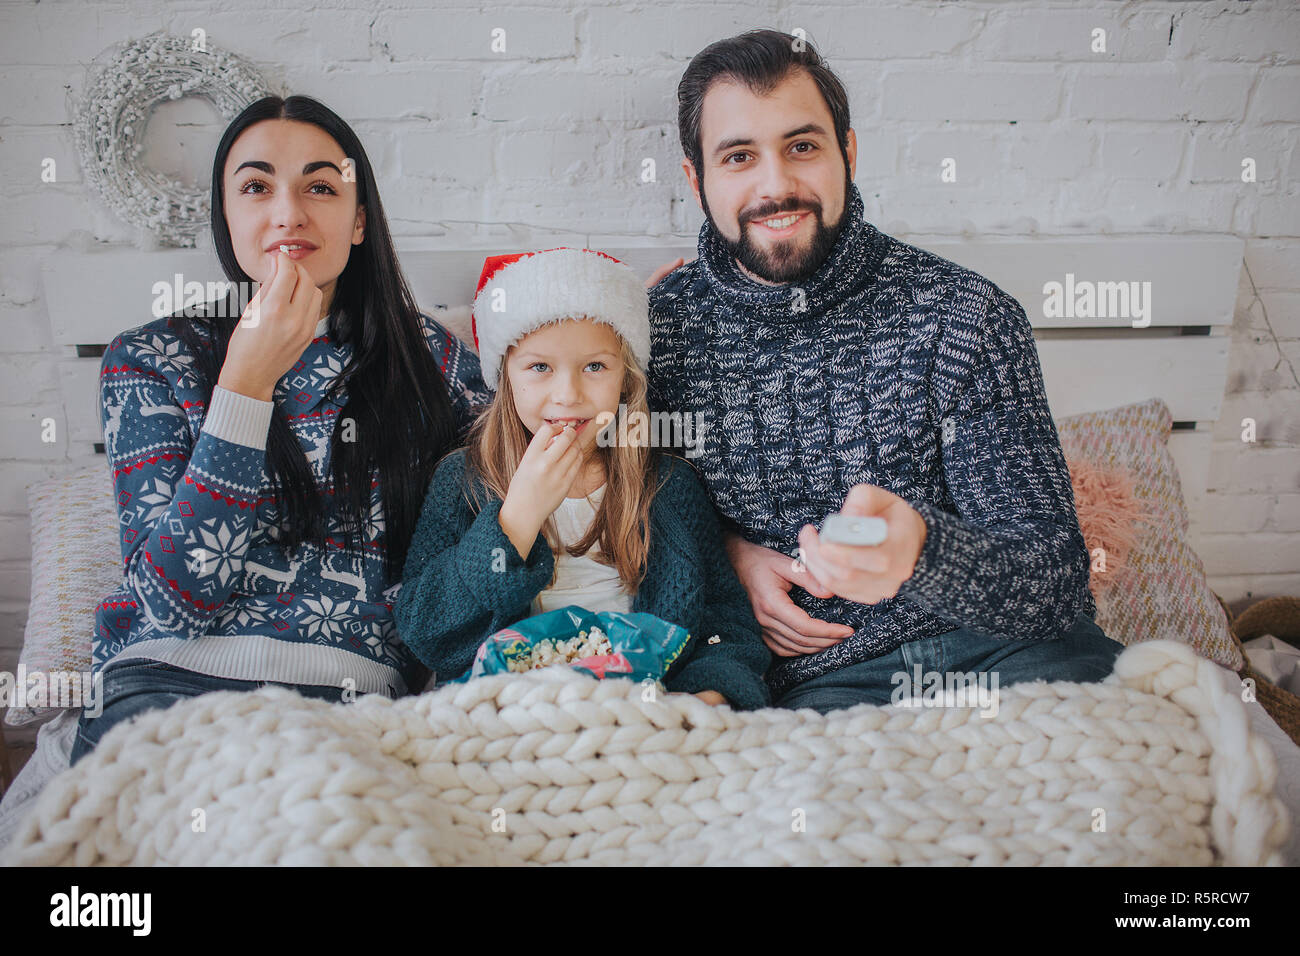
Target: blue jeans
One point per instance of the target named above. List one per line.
(1083, 654)
(134, 686)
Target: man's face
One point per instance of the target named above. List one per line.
(775, 178)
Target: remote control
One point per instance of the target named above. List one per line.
(850, 529)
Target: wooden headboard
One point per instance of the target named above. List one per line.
(1089, 363)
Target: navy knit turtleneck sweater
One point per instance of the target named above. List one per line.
(890, 366)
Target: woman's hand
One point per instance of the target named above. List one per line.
(550, 465)
(662, 271)
(274, 331)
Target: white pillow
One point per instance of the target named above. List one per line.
(76, 563)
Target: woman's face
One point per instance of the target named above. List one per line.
(288, 183)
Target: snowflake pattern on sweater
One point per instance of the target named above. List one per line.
(198, 523)
(890, 366)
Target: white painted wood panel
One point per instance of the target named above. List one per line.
(1193, 278)
(1086, 375)
(92, 296)
(79, 378)
(1191, 453)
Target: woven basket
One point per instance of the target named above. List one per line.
(1279, 616)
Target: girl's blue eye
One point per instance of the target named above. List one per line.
(248, 186)
(328, 188)
(544, 365)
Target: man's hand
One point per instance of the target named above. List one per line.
(767, 576)
(868, 574)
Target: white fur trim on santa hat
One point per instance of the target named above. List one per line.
(552, 286)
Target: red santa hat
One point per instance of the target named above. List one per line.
(523, 291)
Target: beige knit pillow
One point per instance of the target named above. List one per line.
(76, 562)
(1162, 593)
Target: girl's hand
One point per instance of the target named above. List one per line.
(274, 331)
(547, 471)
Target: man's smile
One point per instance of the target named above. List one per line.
(780, 227)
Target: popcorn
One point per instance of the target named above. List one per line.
(632, 645)
(547, 653)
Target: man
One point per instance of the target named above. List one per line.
(839, 369)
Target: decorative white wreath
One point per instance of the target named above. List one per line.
(112, 118)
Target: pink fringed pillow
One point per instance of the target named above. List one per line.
(1163, 593)
(1109, 513)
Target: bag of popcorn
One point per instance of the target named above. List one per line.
(609, 644)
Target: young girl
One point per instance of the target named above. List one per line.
(536, 514)
(269, 472)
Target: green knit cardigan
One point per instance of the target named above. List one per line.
(464, 580)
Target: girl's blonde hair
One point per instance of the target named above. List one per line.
(496, 445)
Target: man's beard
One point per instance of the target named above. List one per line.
(786, 262)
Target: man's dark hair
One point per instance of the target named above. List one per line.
(760, 60)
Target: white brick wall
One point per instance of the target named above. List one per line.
(548, 137)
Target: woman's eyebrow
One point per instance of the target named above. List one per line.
(320, 164)
(306, 170)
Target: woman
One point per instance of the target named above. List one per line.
(270, 468)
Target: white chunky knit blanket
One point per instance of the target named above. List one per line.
(1156, 765)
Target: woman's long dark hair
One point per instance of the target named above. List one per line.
(397, 396)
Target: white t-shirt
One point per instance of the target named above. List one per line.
(582, 580)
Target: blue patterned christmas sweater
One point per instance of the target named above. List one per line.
(205, 585)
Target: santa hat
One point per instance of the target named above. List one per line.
(533, 289)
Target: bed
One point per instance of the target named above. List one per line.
(1169, 762)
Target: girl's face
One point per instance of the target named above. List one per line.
(284, 184)
(567, 371)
